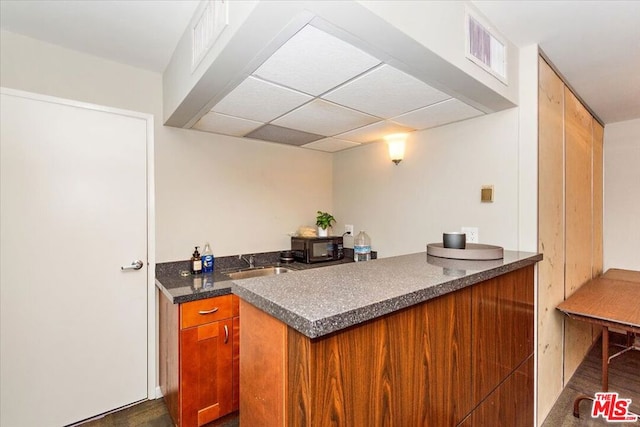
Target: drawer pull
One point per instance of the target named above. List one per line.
(226, 334)
(213, 310)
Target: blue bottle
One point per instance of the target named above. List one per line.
(207, 259)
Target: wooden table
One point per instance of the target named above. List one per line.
(611, 300)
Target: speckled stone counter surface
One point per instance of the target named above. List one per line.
(318, 302)
(179, 288)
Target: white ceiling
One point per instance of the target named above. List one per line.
(301, 96)
(141, 33)
(594, 44)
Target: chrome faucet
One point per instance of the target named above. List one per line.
(250, 261)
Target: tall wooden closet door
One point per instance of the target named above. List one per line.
(550, 235)
(578, 222)
(598, 197)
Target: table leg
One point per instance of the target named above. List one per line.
(576, 404)
(605, 358)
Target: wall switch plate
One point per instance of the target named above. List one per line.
(486, 194)
(471, 233)
(348, 228)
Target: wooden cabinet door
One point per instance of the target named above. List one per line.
(503, 329)
(511, 404)
(409, 368)
(579, 223)
(205, 372)
(235, 405)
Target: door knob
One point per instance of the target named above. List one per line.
(135, 265)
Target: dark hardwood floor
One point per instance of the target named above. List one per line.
(151, 413)
(624, 377)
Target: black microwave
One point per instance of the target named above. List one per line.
(317, 249)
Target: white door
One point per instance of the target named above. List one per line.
(73, 210)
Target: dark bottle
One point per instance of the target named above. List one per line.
(196, 262)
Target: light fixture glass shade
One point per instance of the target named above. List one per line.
(395, 142)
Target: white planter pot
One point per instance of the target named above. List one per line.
(323, 232)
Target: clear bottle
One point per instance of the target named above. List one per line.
(207, 259)
(362, 247)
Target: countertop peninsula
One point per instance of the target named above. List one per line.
(319, 302)
(179, 286)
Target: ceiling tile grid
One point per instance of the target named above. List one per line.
(385, 92)
(307, 62)
(324, 118)
(331, 145)
(319, 92)
(283, 135)
(228, 125)
(374, 132)
(258, 100)
(449, 111)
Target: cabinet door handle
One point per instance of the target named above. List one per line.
(213, 310)
(226, 334)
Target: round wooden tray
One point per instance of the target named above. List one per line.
(473, 251)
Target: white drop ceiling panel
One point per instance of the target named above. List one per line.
(331, 145)
(385, 92)
(261, 101)
(283, 135)
(226, 125)
(374, 132)
(313, 61)
(448, 111)
(324, 118)
(322, 93)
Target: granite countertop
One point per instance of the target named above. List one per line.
(318, 302)
(179, 288)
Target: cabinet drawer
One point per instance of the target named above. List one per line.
(200, 312)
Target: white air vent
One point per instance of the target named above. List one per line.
(486, 48)
(211, 21)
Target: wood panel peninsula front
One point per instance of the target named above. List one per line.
(411, 340)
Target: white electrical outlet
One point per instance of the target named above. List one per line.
(472, 234)
(348, 228)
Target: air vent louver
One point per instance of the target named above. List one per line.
(486, 49)
(212, 20)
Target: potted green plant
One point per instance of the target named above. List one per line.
(323, 221)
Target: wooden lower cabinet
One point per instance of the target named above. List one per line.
(510, 404)
(502, 323)
(446, 362)
(199, 349)
(502, 349)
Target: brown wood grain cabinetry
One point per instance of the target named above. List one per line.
(433, 364)
(405, 368)
(512, 401)
(198, 346)
(235, 402)
(503, 329)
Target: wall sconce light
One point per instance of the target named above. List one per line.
(395, 142)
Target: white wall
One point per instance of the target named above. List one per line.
(208, 187)
(528, 150)
(440, 26)
(436, 188)
(243, 196)
(622, 195)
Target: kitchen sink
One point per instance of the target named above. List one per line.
(257, 272)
